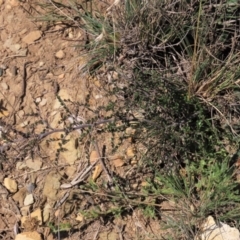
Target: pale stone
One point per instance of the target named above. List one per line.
(61, 76)
(38, 100)
(79, 217)
(14, 3)
(17, 47)
(131, 152)
(28, 236)
(13, 47)
(20, 196)
(70, 171)
(4, 86)
(51, 185)
(37, 214)
(32, 37)
(23, 31)
(94, 156)
(20, 165)
(46, 212)
(222, 231)
(24, 124)
(28, 200)
(43, 102)
(49, 75)
(8, 7)
(8, 43)
(25, 210)
(9, 72)
(4, 67)
(35, 164)
(118, 162)
(60, 54)
(130, 131)
(41, 64)
(10, 185)
(98, 96)
(23, 52)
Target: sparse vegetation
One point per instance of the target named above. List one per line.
(173, 67)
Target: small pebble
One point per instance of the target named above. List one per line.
(98, 96)
(41, 64)
(61, 76)
(38, 100)
(17, 47)
(43, 102)
(28, 200)
(60, 54)
(30, 187)
(31, 37)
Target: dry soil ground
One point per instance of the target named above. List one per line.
(38, 63)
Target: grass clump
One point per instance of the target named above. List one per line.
(202, 189)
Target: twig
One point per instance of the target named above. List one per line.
(79, 177)
(24, 83)
(233, 131)
(102, 163)
(43, 135)
(39, 137)
(12, 56)
(62, 200)
(96, 234)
